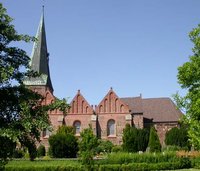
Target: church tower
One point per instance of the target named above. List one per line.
(40, 62)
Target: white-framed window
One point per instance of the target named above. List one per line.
(77, 126)
(111, 127)
(46, 133)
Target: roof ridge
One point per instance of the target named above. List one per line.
(130, 97)
(157, 98)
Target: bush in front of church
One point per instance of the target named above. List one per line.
(134, 139)
(63, 144)
(178, 137)
(154, 142)
(41, 151)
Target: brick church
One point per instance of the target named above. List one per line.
(110, 116)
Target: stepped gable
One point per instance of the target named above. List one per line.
(161, 110)
(111, 103)
(79, 105)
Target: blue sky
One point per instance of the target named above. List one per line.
(134, 46)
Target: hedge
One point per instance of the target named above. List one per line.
(106, 167)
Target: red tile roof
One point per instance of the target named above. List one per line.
(158, 109)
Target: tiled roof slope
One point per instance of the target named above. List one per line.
(158, 109)
(134, 104)
(161, 110)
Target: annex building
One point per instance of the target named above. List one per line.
(109, 117)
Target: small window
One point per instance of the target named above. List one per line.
(46, 133)
(77, 126)
(111, 127)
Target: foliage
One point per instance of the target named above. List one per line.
(63, 144)
(125, 158)
(104, 146)
(18, 153)
(120, 161)
(117, 148)
(177, 137)
(66, 130)
(87, 146)
(189, 79)
(6, 149)
(22, 115)
(135, 139)
(76, 166)
(142, 139)
(154, 142)
(41, 151)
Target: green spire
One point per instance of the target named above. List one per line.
(40, 58)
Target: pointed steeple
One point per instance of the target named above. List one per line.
(40, 58)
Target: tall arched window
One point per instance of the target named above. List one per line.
(122, 108)
(73, 107)
(77, 126)
(82, 107)
(101, 109)
(116, 105)
(106, 105)
(111, 127)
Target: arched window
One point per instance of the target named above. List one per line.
(101, 109)
(111, 127)
(86, 109)
(73, 107)
(106, 105)
(46, 132)
(82, 107)
(77, 126)
(122, 108)
(116, 105)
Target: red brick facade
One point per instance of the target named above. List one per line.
(108, 119)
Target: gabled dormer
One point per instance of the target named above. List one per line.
(111, 103)
(79, 105)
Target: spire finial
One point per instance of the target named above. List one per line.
(43, 7)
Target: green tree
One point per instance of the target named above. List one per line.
(177, 137)
(142, 139)
(41, 151)
(64, 144)
(87, 146)
(130, 139)
(154, 142)
(104, 146)
(22, 115)
(189, 79)
(135, 139)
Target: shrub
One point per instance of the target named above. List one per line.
(41, 151)
(129, 139)
(178, 137)
(135, 139)
(142, 139)
(6, 148)
(66, 130)
(104, 146)
(18, 153)
(63, 146)
(117, 148)
(87, 146)
(154, 142)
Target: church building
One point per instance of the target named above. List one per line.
(109, 117)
